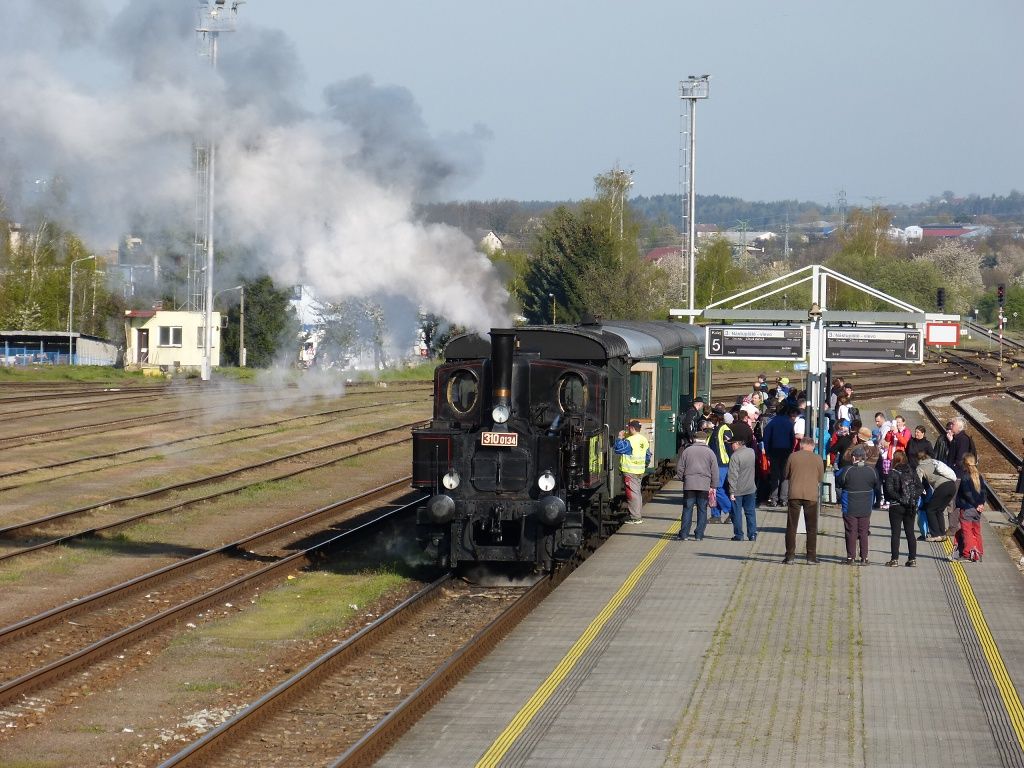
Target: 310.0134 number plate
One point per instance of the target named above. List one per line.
(499, 439)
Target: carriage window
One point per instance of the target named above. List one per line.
(572, 393)
(462, 391)
(640, 395)
(665, 388)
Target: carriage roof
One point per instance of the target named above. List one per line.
(635, 340)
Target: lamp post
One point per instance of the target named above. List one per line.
(213, 19)
(242, 321)
(71, 301)
(551, 298)
(690, 90)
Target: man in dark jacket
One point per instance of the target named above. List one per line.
(691, 422)
(860, 481)
(778, 444)
(959, 445)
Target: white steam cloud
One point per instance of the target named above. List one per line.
(110, 105)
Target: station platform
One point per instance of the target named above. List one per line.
(657, 652)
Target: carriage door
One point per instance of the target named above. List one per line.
(666, 415)
(642, 394)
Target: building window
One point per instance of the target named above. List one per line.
(170, 336)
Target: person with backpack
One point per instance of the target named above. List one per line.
(970, 503)
(903, 490)
(942, 480)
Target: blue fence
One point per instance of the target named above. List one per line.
(24, 356)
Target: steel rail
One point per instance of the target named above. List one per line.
(60, 668)
(201, 436)
(8, 531)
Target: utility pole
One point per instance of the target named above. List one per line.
(690, 90)
(785, 242)
(213, 19)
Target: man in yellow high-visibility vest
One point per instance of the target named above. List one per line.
(634, 452)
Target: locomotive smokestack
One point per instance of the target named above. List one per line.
(502, 347)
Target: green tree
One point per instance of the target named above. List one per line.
(35, 290)
(717, 275)
(270, 325)
(586, 261)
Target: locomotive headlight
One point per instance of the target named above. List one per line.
(451, 480)
(546, 482)
(500, 414)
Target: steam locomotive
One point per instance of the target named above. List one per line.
(518, 456)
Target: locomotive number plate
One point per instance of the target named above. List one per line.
(500, 439)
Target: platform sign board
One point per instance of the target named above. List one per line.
(867, 344)
(756, 342)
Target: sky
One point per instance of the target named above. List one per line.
(333, 120)
(896, 101)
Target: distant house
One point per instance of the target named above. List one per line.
(750, 240)
(819, 229)
(896, 234)
(488, 241)
(934, 230)
(663, 255)
(913, 233)
(168, 340)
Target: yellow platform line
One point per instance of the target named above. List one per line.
(519, 723)
(1007, 690)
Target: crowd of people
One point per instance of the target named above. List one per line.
(757, 451)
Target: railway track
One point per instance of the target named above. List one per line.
(46, 470)
(46, 648)
(57, 433)
(263, 732)
(14, 533)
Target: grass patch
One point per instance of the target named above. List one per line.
(87, 373)
(307, 605)
(421, 372)
(271, 486)
(235, 374)
(95, 728)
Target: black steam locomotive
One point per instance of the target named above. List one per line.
(518, 456)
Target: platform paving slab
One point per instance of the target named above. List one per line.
(722, 656)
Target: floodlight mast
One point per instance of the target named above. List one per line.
(213, 19)
(690, 90)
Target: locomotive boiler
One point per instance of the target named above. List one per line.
(518, 456)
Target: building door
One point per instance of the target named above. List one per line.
(143, 346)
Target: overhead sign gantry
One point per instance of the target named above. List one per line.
(831, 335)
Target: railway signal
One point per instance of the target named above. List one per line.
(1001, 294)
(940, 299)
